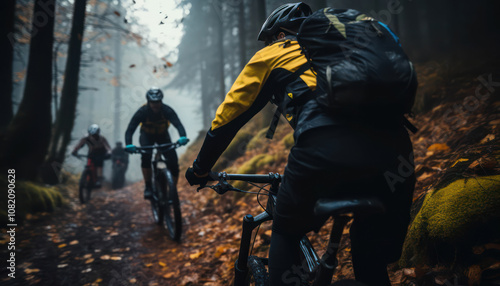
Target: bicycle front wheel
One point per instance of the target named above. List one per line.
(85, 187)
(257, 273)
(172, 219)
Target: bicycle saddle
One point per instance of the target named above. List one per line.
(359, 206)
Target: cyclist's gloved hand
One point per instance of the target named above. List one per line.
(130, 148)
(196, 179)
(183, 140)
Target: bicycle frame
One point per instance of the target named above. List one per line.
(321, 270)
(93, 172)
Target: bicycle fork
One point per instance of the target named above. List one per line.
(249, 224)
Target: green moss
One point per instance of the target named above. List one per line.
(255, 163)
(238, 146)
(253, 166)
(454, 219)
(258, 140)
(31, 198)
(288, 140)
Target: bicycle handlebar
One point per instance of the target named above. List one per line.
(223, 186)
(147, 149)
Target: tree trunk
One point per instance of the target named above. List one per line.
(7, 52)
(69, 95)
(242, 35)
(118, 67)
(220, 54)
(27, 137)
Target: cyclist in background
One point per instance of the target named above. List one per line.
(331, 156)
(155, 118)
(99, 149)
(119, 154)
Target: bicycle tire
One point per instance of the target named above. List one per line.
(257, 272)
(156, 208)
(172, 218)
(84, 188)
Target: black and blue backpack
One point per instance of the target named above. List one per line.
(361, 69)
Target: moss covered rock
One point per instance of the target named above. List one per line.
(452, 220)
(30, 198)
(258, 140)
(288, 140)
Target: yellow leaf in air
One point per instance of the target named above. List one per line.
(196, 255)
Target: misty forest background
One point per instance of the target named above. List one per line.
(91, 62)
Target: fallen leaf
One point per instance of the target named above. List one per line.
(116, 258)
(62, 265)
(29, 271)
(105, 257)
(169, 275)
(74, 242)
(133, 280)
(489, 137)
(162, 264)
(62, 245)
(458, 161)
(90, 260)
(438, 147)
(196, 255)
(87, 256)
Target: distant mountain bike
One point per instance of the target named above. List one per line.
(251, 270)
(88, 179)
(165, 202)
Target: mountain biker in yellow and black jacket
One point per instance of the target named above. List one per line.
(155, 117)
(331, 156)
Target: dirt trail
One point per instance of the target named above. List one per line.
(110, 241)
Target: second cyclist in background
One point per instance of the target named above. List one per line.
(99, 149)
(155, 118)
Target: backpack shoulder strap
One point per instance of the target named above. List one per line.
(277, 113)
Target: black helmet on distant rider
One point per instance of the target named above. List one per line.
(154, 94)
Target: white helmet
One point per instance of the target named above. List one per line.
(94, 129)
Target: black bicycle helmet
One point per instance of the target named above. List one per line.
(288, 16)
(154, 94)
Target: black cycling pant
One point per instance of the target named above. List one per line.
(171, 156)
(336, 161)
(97, 156)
